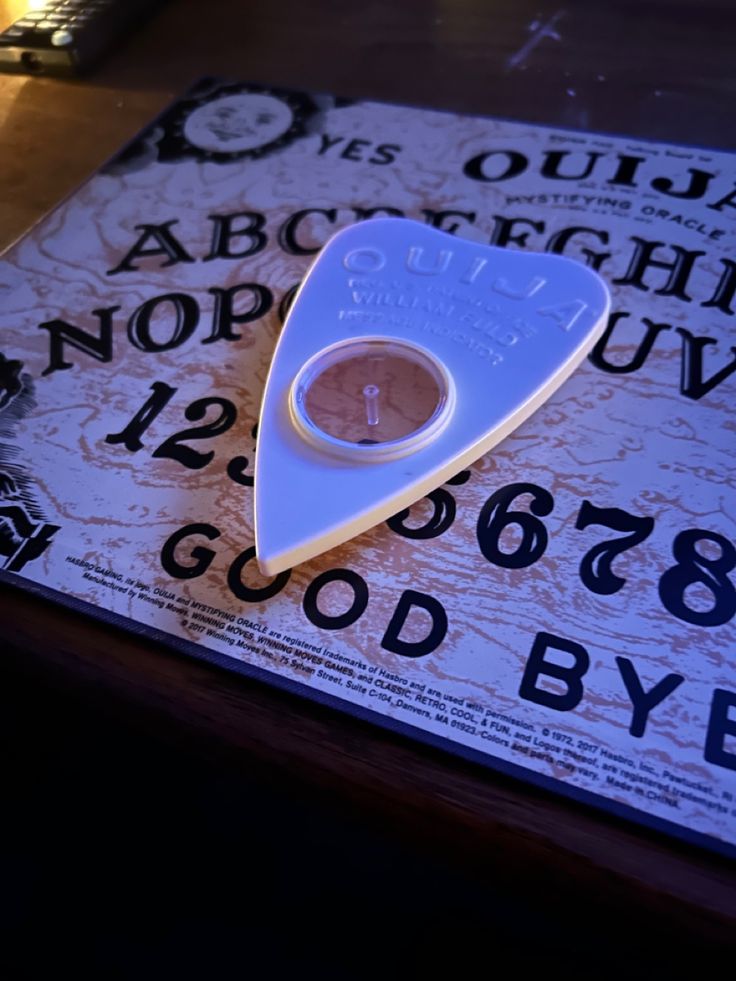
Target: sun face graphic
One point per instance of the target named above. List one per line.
(238, 123)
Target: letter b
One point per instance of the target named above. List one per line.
(570, 676)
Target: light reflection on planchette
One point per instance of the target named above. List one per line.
(407, 354)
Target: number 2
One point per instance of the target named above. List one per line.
(173, 448)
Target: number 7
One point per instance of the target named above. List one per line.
(595, 566)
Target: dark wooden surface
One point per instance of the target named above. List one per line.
(652, 69)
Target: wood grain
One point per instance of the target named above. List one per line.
(655, 70)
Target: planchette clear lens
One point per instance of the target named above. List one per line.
(372, 399)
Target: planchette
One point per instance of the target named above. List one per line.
(407, 354)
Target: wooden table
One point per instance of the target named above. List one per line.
(654, 70)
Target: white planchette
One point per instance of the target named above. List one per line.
(407, 354)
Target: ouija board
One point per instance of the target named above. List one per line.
(563, 610)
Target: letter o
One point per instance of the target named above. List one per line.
(247, 593)
(516, 163)
(186, 318)
(356, 610)
(364, 260)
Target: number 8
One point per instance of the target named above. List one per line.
(693, 568)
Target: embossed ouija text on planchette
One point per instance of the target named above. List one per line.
(407, 354)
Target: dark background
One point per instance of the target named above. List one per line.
(127, 856)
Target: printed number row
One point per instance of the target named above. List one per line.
(691, 568)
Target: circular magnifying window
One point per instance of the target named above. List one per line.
(372, 399)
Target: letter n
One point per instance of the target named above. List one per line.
(96, 346)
